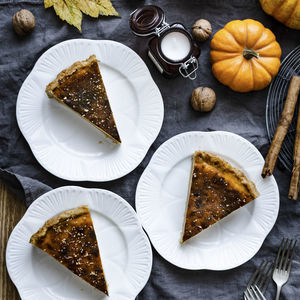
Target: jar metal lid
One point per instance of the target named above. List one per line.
(144, 21)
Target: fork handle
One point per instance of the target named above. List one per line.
(278, 292)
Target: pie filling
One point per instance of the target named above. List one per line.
(216, 190)
(81, 88)
(70, 239)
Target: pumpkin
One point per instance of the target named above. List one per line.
(245, 55)
(285, 11)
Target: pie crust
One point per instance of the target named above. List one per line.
(80, 87)
(70, 238)
(216, 189)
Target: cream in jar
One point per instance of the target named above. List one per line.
(175, 46)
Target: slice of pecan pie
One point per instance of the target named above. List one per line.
(81, 88)
(216, 189)
(70, 238)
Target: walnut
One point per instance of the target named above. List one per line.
(203, 99)
(23, 22)
(201, 30)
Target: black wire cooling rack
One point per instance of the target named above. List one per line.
(275, 102)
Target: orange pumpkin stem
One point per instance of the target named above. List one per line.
(249, 53)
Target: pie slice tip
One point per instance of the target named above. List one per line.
(70, 238)
(216, 189)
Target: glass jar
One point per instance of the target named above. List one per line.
(171, 48)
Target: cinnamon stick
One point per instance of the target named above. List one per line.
(294, 185)
(282, 126)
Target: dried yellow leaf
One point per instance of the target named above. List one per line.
(71, 10)
(88, 7)
(106, 8)
(48, 3)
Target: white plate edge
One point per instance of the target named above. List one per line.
(70, 178)
(182, 266)
(35, 203)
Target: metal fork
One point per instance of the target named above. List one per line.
(283, 263)
(253, 293)
(259, 282)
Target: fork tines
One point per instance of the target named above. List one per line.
(253, 293)
(285, 255)
(262, 276)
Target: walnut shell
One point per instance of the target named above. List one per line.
(23, 21)
(201, 30)
(203, 99)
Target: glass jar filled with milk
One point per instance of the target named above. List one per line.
(171, 47)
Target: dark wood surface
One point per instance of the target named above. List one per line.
(11, 211)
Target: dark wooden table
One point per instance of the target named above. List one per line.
(11, 211)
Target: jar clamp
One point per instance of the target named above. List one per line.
(171, 47)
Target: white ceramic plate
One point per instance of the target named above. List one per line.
(161, 199)
(67, 145)
(124, 247)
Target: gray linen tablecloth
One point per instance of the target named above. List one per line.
(243, 114)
